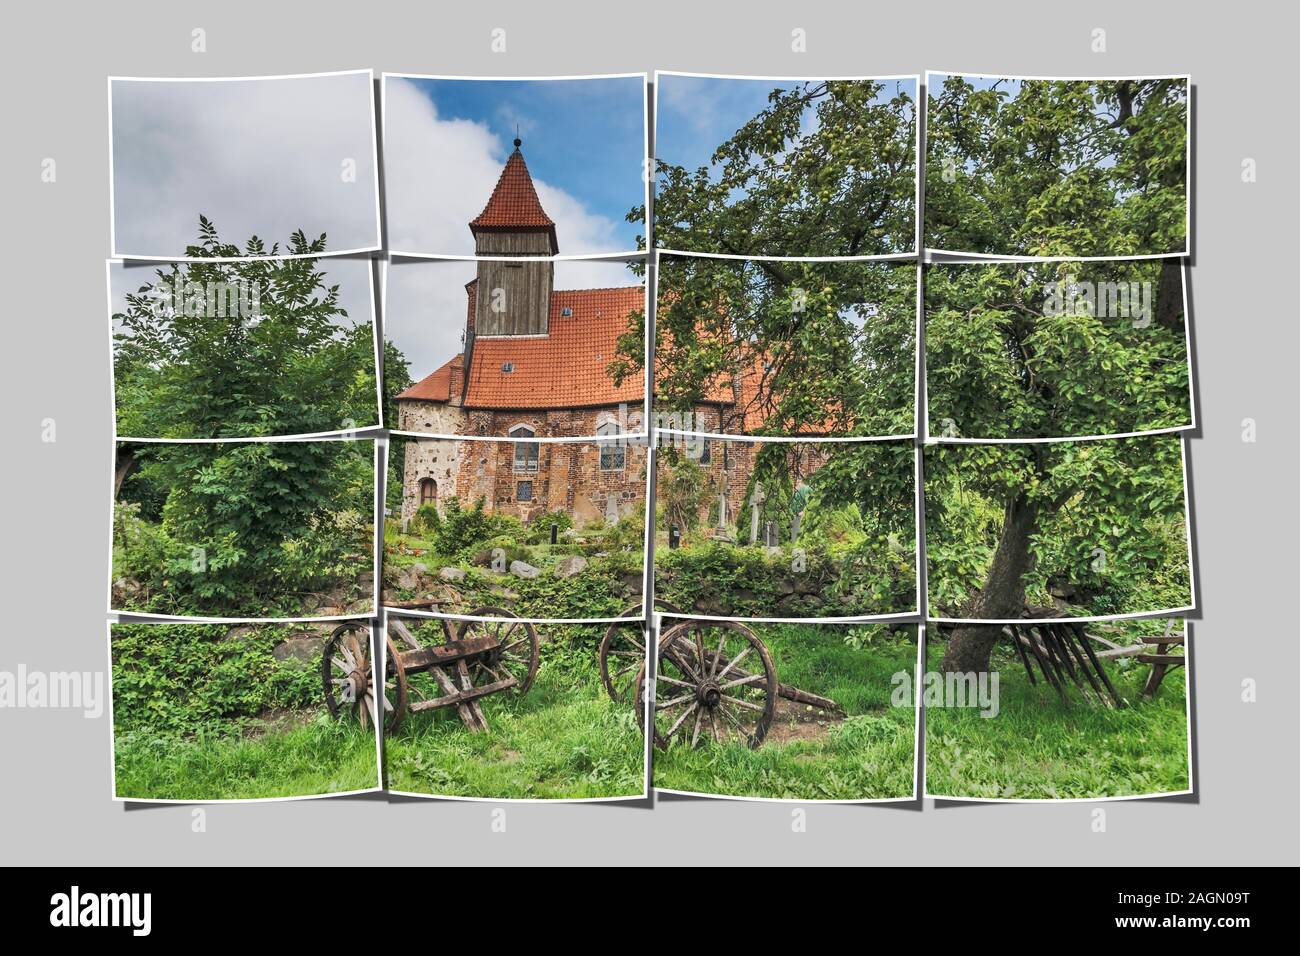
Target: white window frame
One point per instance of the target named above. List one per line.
(609, 441)
(528, 464)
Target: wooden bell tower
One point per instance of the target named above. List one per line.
(514, 297)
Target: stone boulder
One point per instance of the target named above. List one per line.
(452, 574)
(302, 645)
(568, 567)
(522, 569)
(406, 579)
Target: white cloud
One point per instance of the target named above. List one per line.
(439, 173)
(257, 157)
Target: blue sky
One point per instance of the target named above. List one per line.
(696, 114)
(583, 138)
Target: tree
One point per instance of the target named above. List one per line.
(1057, 168)
(827, 169)
(193, 359)
(184, 369)
(397, 379)
(1049, 350)
(809, 348)
(1074, 500)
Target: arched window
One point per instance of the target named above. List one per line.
(525, 451)
(613, 452)
(428, 492)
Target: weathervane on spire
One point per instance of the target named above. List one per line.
(518, 141)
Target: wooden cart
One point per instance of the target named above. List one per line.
(476, 658)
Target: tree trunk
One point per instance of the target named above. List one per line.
(1003, 593)
(126, 462)
(1169, 296)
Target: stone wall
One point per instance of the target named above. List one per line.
(435, 418)
(568, 477)
(433, 458)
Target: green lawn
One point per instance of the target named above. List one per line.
(288, 758)
(1035, 748)
(868, 755)
(564, 739)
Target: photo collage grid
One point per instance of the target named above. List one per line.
(731, 436)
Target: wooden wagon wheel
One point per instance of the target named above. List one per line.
(622, 642)
(698, 693)
(515, 656)
(346, 674)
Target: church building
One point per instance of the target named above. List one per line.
(535, 365)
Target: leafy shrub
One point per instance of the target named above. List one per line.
(426, 521)
(540, 527)
(184, 679)
(464, 528)
(142, 550)
(681, 487)
(243, 521)
(750, 581)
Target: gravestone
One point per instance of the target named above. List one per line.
(755, 503)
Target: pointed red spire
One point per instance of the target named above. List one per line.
(514, 203)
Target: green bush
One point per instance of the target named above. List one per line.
(752, 582)
(540, 527)
(141, 550)
(426, 521)
(463, 529)
(180, 679)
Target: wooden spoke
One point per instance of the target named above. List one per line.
(709, 696)
(623, 641)
(675, 702)
(742, 703)
(347, 673)
(682, 719)
(742, 681)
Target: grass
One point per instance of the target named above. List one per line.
(564, 739)
(319, 756)
(1035, 748)
(869, 755)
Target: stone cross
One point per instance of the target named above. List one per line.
(722, 510)
(755, 502)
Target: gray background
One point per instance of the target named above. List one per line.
(55, 795)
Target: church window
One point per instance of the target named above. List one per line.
(613, 453)
(525, 451)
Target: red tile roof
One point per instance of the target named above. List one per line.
(435, 387)
(567, 368)
(514, 203)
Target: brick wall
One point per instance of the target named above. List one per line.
(569, 476)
